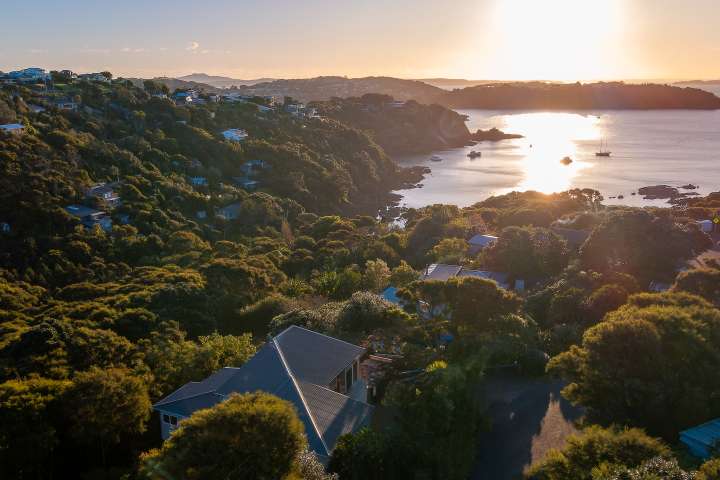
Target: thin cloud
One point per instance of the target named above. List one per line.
(228, 51)
(163, 48)
(94, 50)
(205, 51)
(193, 45)
(126, 49)
(139, 49)
(38, 51)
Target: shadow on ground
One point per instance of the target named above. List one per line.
(529, 418)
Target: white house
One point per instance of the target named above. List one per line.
(259, 163)
(199, 181)
(13, 128)
(235, 134)
(395, 105)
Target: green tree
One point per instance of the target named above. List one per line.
(256, 433)
(377, 275)
(537, 251)
(703, 282)
(597, 453)
(31, 425)
(653, 364)
(107, 404)
(107, 75)
(640, 243)
(403, 275)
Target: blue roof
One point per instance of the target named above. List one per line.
(286, 366)
(389, 295)
(705, 434)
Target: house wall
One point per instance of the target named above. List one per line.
(165, 429)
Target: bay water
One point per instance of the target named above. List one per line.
(655, 147)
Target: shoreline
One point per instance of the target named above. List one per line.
(380, 199)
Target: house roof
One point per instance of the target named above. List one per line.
(482, 240)
(705, 434)
(576, 237)
(439, 271)
(11, 126)
(231, 209)
(326, 414)
(389, 295)
(313, 357)
(81, 210)
(101, 190)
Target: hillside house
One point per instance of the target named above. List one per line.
(245, 183)
(199, 181)
(108, 195)
(89, 217)
(123, 218)
(439, 271)
(69, 74)
(319, 375)
(235, 134)
(36, 108)
(64, 104)
(259, 163)
(574, 238)
(230, 212)
(13, 128)
(479, 242)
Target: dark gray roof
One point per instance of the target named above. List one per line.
(263, 372)
(190, 405)
(576, 237)
(313, 357)
(276, 369)
(334, 414)
(81, 210)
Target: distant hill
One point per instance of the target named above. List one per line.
(698, 82)
(174, 83)
(602, 95)
(217, 81)
(459, 82)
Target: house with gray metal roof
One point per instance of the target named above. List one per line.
(574, 238)
(318, 374)
(478, 242)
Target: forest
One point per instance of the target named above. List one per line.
(590, 96)
(97, 326)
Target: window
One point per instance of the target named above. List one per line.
(169, 419)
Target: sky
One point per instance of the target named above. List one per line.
(564, 40)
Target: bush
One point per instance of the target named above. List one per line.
(606, 448)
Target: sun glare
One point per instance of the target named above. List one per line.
(552, 39)
(550, 135)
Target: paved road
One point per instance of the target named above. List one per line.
(529, 418)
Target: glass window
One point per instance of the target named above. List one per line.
(173, 420)
(166, 418)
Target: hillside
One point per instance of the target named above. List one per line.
(614, 95)
(220, 82)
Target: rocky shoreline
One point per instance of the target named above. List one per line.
(379, 199)
(493, 135)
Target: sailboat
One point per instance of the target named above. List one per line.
(601, 152)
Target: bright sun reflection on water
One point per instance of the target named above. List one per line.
(553, 136)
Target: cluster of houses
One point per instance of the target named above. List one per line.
(38, 75)
(103, 193)
(299, 109)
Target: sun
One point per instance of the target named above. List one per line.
(552, 39)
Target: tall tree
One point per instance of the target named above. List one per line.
(256, 433)
(107, 404)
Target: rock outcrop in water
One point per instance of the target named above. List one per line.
(493, 135)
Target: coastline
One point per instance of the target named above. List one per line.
(380, 199)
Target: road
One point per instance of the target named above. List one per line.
(529, 418)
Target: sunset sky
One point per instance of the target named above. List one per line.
(475, 39)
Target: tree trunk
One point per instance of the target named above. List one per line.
(104, 444)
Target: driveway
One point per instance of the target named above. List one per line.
(529, 418)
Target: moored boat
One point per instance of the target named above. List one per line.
(436, 158)
(474, 154)
(566, 161)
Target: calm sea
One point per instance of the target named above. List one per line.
(669, 147)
